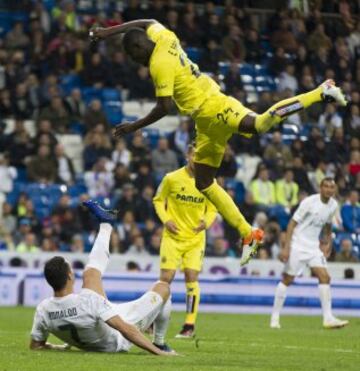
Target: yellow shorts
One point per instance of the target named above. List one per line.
(176, 253)
(216, 121)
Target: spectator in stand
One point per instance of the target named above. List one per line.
(77, 244)
(28, 244)
(354, 163)
(75, 105)
(232, 80)
(57, 114)
(121, 176)
(287, 191)
(99, 181)
(284, 38)
(300, 175)
(95, 73)
(16, 38)
(21, 103)
(233, 45)
(346, 255)
(352, 122)
(140, 152)
(319, 39)
(137, 247)
(253, 47)
(228, 167)
(144, 205)
(219, 248)
(42, 167)
(97, 147)
(278, 62)
(144, 177)
(45, 128)
(121, 155)
(330, 120)
(287, 80)
(350, 213)
(9, 221)
(119, 71)
(163, 159)
(209, 60)
(141, 88)
(7, 175)
(181, 135)
(263, 189)
(19, 145)
(127, 201)
(95, 115)
(64, 165)
(277, 150)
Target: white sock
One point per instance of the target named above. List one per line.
(280, 296)
(99, 255)
(161, 323)
(325, 298)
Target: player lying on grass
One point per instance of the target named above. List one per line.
(217, 116)
(88, 320)
(311, 221)
(186, 215)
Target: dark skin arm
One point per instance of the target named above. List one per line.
(162, 108)
(97, 33)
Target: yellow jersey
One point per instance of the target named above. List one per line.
(178, 199)
(175, 75)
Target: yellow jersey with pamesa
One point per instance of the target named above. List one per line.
(178, 199)
(175, 75)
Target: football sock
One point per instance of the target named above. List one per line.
(99, 255)
(227, 208)
(280, 296)
(192, 302)
(325, 299)
(161, 323)
(281, 110)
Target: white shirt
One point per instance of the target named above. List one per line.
(311, 216)
(79, 320)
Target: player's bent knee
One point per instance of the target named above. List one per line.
(162, 288)
(191, 275)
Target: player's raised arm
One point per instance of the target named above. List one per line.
(161, 109)
(101, 33)
(131, 333)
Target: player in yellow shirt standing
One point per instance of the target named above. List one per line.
(216, 115)
(186, 214)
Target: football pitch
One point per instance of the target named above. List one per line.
(223, 342)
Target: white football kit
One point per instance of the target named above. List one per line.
(311, 216)
(79, 319)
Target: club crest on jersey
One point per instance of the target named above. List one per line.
(188, 198)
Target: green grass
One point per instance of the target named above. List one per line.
(225, 342)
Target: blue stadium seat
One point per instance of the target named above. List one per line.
(194, 54)
(224, 67)
(110, 95)
(113, 111)
(90, 94)
(69, 82)
(246, 69)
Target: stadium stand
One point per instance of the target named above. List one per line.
(44, 60)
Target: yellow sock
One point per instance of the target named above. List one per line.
(192, 302)
(279, 111)
(227, 208)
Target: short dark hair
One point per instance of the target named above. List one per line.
(56, 272)
(327, 179)
(133, 36)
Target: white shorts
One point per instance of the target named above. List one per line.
(140, 313)
(298, 260)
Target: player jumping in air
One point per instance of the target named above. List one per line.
(216, 115)
(88, 320)
(186, 214)
(311, 221)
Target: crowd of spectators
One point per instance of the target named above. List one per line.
(300, 49)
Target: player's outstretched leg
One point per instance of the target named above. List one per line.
(204, 181)
(279, 300)
(327, 91)
(99, 255)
